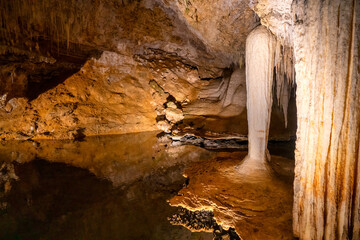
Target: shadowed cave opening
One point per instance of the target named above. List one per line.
(27, 74)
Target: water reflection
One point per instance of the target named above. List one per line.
(7, 176)
(111, 187)
(121, 159)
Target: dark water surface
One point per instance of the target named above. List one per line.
(111, 187)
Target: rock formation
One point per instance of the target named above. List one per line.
(250, 204)
(260, 54)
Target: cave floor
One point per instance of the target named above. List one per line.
(258, 206)
(119, 187)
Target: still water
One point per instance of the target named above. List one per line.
(110, 187)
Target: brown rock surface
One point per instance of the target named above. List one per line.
(70, 69)
(108, 95)
(324, 35)
(257, 206)
(221, 25)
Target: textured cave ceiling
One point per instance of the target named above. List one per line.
(209, 34)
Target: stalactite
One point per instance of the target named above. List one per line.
(285, 75)
(31, 21)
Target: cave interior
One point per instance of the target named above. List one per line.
(180, 119)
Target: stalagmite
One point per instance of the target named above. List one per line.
(260, 51)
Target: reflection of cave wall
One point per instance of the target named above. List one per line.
(58, 201)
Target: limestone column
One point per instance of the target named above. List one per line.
(260, 50)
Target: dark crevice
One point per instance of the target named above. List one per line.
(208, 79)
(42, 82)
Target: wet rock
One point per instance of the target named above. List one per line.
(258, 207)
(208, 143)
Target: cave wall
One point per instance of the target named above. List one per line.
(70, 69)
(113, 94)
(327, 172)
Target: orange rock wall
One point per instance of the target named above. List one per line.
(327, 172)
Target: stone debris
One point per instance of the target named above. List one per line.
(174, 115)
(164, 126)
(202, 221)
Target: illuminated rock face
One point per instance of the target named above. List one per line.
(108, 67)
(260, 51)
(327, 172)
